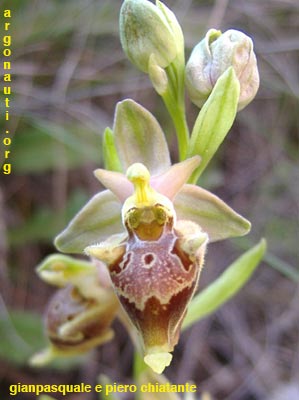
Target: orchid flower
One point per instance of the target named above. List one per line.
(140, 139)
(151, 228)
(80, 313)
(147, 233)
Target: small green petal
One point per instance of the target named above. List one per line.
(213, 215)
(139, 138)
(111, 159)
(228, 284)
(98, 219)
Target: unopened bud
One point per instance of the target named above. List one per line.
(212, 56)
(75, 324)
(147, 29)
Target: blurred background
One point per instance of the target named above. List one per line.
(69, 71)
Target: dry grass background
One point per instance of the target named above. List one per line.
(69, 72)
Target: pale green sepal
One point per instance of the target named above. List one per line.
(228, 284)
(174, 26)
(213, 215)
(99, 218)
(214, 120)
(111, 159)
(60, 270)
(139, 138)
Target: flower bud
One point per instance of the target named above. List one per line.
(147, 29)
(75, 324)
(212, 56)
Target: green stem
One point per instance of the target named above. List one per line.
(139, 368)
(174, 99)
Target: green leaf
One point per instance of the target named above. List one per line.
(139, 138)
(228, 284)
(214, 216)
(215, 119)
(111, 159)
(286, 269)
(283, 267)
(98, 219)
(139, 366)
(22, 335)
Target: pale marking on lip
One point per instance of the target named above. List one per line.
(175, 283)
(149, 260)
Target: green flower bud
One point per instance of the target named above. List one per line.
(147, 29)
(212, 56)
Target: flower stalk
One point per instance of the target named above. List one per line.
(174, 99)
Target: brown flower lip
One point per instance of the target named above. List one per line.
(155, 280)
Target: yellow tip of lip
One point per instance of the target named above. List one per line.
(158, 361)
